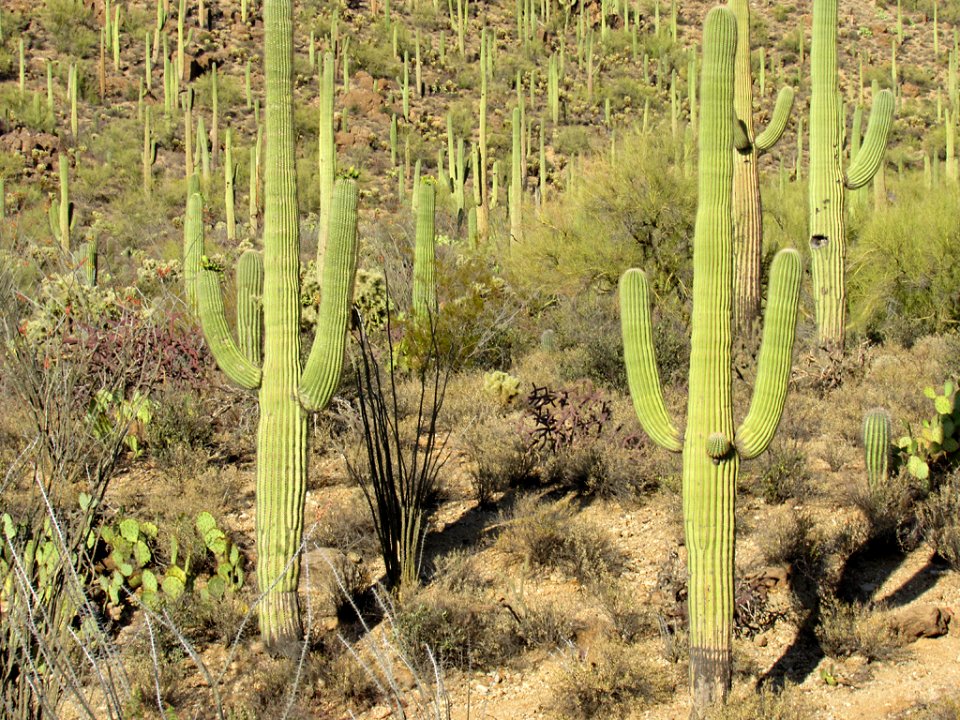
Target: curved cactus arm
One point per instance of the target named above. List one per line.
(249, 305)
(775, 360)
(778, 121)
(639, 357)
(213, 320)
(874, 145)
(876, 445)
(321, 375)
(741, 137)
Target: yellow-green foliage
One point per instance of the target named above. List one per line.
(903, 274)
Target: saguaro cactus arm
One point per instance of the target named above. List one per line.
(225, 351)
(322, 371)
(778, 121)
(250, 304)
(874, 145)
(775, 360)
(641, 363)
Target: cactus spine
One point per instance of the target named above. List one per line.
(711, 448)
(827, 180)
(287, 390)
(747, 212)
(876, 446)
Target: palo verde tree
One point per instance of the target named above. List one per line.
(711, 448)
(288, 391)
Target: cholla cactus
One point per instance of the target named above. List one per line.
(711, 448)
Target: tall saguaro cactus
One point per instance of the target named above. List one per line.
(827, 179)
(747, 212)
(287, 389)
(424, 258)
(711, 448)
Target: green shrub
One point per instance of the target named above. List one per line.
(901, 289)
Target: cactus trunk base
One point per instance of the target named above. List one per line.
(711, 673)
(279, 614)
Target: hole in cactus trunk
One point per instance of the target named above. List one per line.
(818, 241)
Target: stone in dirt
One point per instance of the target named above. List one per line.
(921, 621)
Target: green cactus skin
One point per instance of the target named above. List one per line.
(90, 263)
(747, 209)
(64, 209)
(229, 193)
(286, 391)
(877, 447)
(424, 259)
(517, 178)
(827, 181)
(328, 153)
(249, 294)
(711, 449)
(192, 242)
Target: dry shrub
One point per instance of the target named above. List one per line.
(347, 526)
(497, 456)
(854, 629)
(613, 682)
(942, 709)
(786, 538)
(767, 704)
(889, 508)
(550, 535)
(460, 631)
(939, 520)
(632, 621)
(783, 474)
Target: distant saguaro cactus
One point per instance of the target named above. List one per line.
(711, 448)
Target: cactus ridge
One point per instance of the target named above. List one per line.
(877, 447)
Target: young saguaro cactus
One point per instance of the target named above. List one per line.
(747, 212)
(827, 179)
(711, 447)
(424, 259)
(877, 447)
(288, 390)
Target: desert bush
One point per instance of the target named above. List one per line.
(938, 519)
(854, 629)
(911, 292)
(549, 535)
(787, 538)
(783, 474)
(498, 457)
(71, 24)
(615, 681)
(765, 703)
(459, 630)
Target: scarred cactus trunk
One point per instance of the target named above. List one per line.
(711, 448)
(827, 179)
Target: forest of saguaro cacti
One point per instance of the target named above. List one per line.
(535, 359)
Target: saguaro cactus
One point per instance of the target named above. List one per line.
(747, 212)
(877, 447)
(287, 390)
(424, 259)
(711, 448)
(827, 179)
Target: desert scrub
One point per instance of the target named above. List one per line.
(460, 629)
(783, 473)
(767, 703)
(787, 537)
(614, 680)
(939, 520)
(854, 629)
(550, 535)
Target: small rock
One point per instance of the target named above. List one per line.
(922, 621)
(380, 711)
(760, 640)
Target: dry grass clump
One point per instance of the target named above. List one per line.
(460, 631)
(854, 629)
(939, 520)
(942, 709)
(612, 682)
(786, 538)
(783, 473)
(347, 525)
(544, 534)
(767, 704)
(498, 458)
